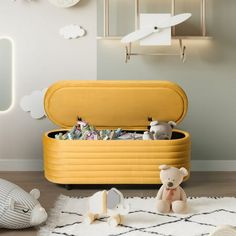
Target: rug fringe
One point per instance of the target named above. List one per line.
(54, 215)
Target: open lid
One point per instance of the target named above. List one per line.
(113, 104)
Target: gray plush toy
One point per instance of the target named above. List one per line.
(19, 209)
(159, 130)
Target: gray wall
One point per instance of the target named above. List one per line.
(42, 57)
(208, 77)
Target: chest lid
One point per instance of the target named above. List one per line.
(113, 104)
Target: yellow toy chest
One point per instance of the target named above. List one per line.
(110, 105)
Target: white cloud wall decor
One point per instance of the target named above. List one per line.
(34, 103)
(72, 32)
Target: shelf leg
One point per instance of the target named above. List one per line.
(137, 14)
(106, 18)
(203, 17)
(173, 13)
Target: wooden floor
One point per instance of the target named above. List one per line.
(200, 184)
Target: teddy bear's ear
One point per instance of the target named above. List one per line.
(35, 193)
(172, 124)
(164, 167)
(183, 171)
(153, 123)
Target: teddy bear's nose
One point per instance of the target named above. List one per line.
(170, 184)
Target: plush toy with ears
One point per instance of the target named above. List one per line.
(224, 230)
(161, 130)
(171, 196)
(19, 209)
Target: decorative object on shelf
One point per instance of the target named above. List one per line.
(64, 3)
(72, 32)
(34, 103)
(157, 25)
(171, 196)
(160, 33)
(107, 203)
(155, 30)
(19, 209)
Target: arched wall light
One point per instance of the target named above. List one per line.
(7, 74)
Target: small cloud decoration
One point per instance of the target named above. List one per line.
(34, 103)
(72, 32)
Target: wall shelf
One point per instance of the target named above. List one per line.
(173, 37)
(182, 48)
(106, 21)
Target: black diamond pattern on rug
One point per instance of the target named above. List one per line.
(205, 214)
(200, 224)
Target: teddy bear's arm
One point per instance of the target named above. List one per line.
(160, 193)
(183, 195)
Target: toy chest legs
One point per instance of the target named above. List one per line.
(110, 105)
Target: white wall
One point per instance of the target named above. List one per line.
(42, 57)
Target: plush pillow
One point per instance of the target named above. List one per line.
(19, 209)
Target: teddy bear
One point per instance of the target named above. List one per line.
(171, 196)
(224, 230)
(159, 130)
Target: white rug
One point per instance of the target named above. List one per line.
(205, 215)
